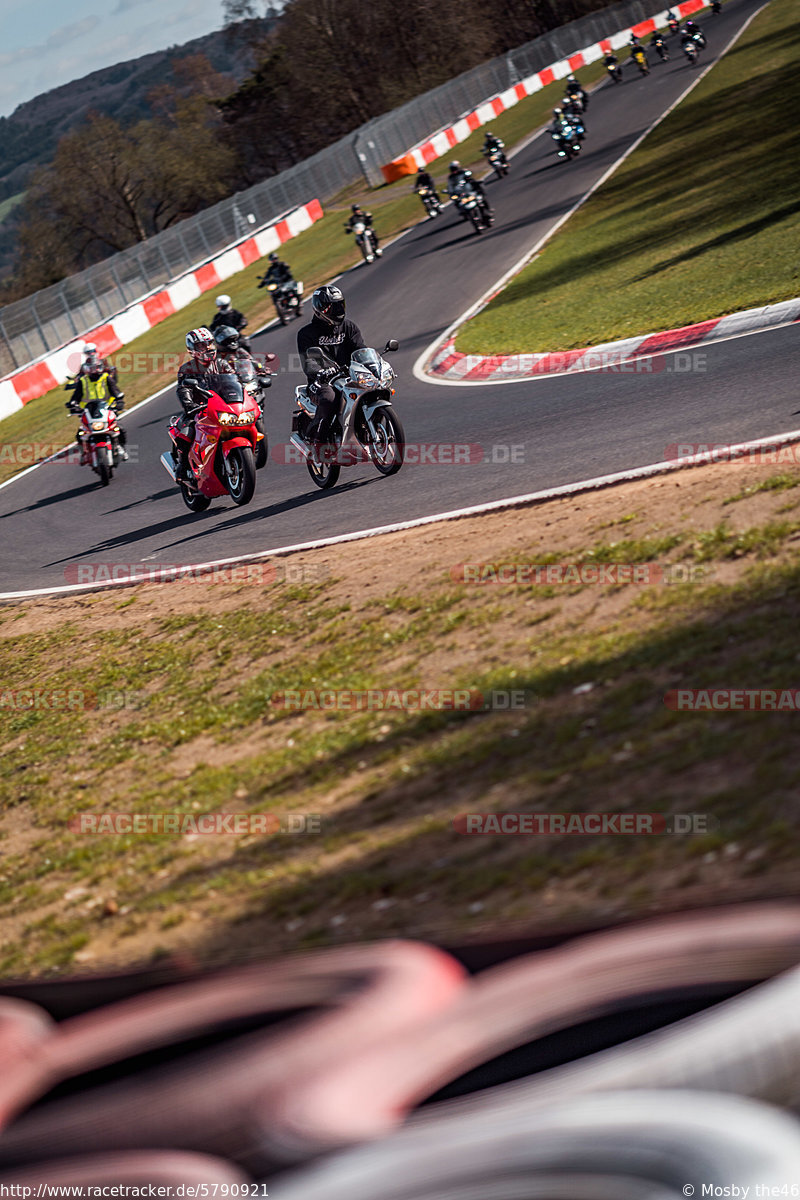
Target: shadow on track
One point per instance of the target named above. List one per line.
(59, 498)
(206, 519)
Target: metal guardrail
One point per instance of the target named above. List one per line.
(31, 327)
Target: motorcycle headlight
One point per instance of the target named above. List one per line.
(98, 426)
(245, 418)
(364, 379)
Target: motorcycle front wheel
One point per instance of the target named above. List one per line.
(104, 466)
(194, 501)
(325, 475)
(240, 469)
(388, 448)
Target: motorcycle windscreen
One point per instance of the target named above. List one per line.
(368, 361)
(227, 387)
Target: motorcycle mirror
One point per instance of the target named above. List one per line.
(392, 344)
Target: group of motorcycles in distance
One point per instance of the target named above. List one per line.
(692, 42)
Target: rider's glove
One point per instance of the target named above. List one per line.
(326, 374)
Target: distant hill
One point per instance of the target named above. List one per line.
(28, 138)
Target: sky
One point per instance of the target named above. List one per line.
(44, 43)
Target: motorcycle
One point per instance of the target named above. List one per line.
(367, 429)
(674, 24)
(365, 240)
(575, 102)
(222, 457)
(690, 49)
(255, 378)
(699, 39)
(568, 141)
(716, 7)
(640, 58)
(615, 71)
(470, 206)
(100, 437)
(431, 201)
(498, 161)
(287, 298)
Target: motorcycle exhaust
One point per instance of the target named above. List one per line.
(166, 462)
(300, 445)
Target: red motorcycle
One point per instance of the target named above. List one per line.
(222, 457)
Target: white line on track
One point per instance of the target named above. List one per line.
(173, 574)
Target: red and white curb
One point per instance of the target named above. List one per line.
(48, 372)
(443, 140)
(174, 574)
(450, 364)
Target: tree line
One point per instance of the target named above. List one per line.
(324, 68)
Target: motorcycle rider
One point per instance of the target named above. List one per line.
(89, 354)
(230, 352)
(657, 41)
(492, 142)
(95, 382)
(574, 88)
(193, 378)
(326, 346)
(638, 52)
(359, 217)
(563, 126)
(279, 273)
(694, 31)
(227, 315)
(426, 183)
(459, 175)
(611, 61)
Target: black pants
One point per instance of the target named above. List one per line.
(327, 408)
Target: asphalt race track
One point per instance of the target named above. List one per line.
(563, 429)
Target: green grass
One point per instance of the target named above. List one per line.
(698, 222)
(206, 736)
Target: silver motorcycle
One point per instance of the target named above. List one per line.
(367, 428)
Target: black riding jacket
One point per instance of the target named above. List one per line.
(322, 345)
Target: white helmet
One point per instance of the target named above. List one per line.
(89, 348)
(223, 302)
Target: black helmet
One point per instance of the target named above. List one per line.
(227, 338)
(272, 257)
(94, 368)
(455, 165)
(328, 304)
(420, 170)
(355, 208)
